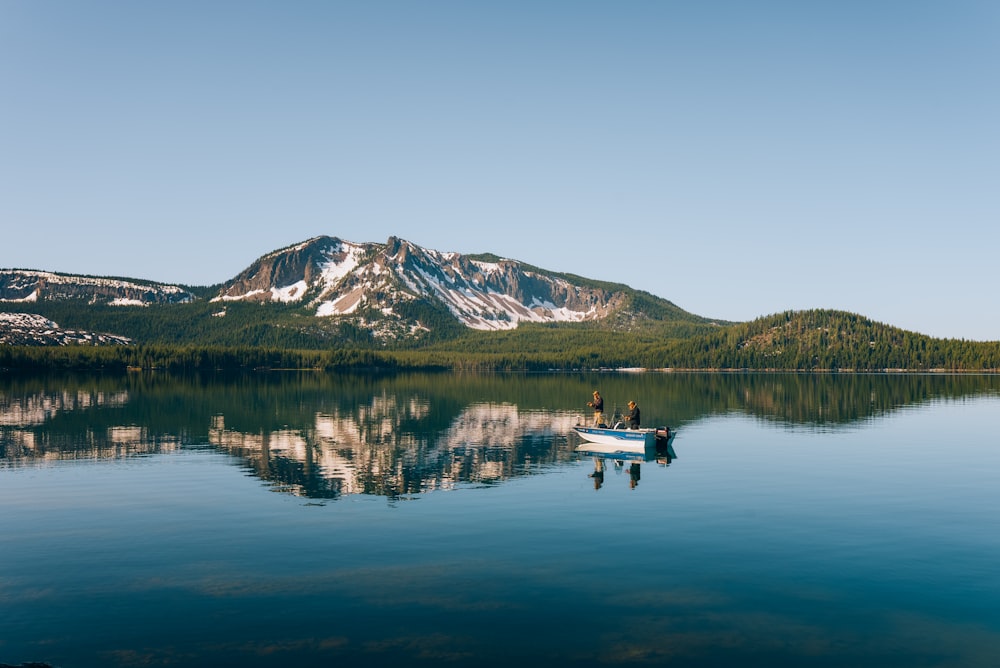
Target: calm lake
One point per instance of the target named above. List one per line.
(291, 519)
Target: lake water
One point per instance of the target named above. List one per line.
(448, 520)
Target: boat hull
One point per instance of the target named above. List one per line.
(626, 443)
(626, 438)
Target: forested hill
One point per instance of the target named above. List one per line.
(816, 340)
(828, 340)
(330, 303)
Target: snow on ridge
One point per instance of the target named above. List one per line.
(497, 311)
(369, 280)
(342, 305)
(485, 309)
(333, 271)
(408, 280)
(487, 267)
(63, 279)
(568, 315)
(235, 298)
(563, 313)
(33, 297)
(289, 293)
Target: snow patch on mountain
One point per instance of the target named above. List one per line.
(284, 294)
(343, 305)
(481, 307)
(33, 297)
(343, 259)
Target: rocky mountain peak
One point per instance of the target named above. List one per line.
(390, 290)
(339, 278)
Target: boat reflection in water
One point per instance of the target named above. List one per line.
(625, 450)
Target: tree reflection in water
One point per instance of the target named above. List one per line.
(329, 435)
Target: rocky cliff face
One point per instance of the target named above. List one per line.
(20, 285)
(286, 274)
(337, 277)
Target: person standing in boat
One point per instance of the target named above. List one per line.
(632, 417)
(598, 405)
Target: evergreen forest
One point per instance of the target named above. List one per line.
(254, 336)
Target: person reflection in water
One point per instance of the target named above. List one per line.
(598, 474)
(633, 475)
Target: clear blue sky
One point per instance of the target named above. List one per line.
(737, 158)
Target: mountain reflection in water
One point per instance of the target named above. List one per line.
(374, 454)
(329, 435)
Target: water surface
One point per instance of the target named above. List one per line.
(448, 520)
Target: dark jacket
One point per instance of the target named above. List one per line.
(633, 418)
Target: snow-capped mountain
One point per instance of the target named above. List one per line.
(27, 286)
(327, 290)
(334, 277)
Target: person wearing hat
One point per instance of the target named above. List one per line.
(598, 405)
(632, 416)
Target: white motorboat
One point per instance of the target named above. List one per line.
(643, 442)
